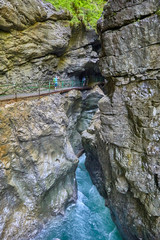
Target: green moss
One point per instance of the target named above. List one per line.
(143, 168)
(158, 12)
(83, 11)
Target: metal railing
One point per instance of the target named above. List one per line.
(17, 90)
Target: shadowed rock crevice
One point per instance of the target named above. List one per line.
(122, 142)
(94, 168)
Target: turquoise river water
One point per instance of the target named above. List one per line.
(88, 219)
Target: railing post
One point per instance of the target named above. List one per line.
(39, 88)
(15, 91)
(49, 87)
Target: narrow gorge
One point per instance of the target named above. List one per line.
(117, 123)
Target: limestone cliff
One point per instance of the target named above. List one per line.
(37, 42)
(125, 140)
(37, 165)
(37, 161)
(80, 114)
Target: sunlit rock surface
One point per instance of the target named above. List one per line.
(37, 165)
(124, 140)
(37, 161)
(37, 42)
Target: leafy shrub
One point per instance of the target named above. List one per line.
(84, 11)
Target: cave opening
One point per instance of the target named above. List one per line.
(91, 74)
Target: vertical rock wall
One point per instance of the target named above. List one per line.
(37, 165)
(37, 161)
(125, 141)
(80, 113)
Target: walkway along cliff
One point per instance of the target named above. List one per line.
(37, 42)
(40, 138)
(37, 168)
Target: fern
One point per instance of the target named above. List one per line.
(83, 11)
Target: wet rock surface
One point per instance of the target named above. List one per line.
(80, 112)
(125, 139)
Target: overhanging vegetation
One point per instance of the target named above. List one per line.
(83, 11)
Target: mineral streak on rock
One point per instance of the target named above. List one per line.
(37, 165)
(125, 141)
(37, 42)
(37, 161)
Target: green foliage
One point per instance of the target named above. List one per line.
(85, 11)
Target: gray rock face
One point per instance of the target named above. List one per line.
(37, 165)
(30, 46)
(119, 13)
(19, 15)
(81, 55)
(125, 139)
(37, 161)
(82, 107)
(37, 42)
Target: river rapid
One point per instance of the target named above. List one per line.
(87, 219)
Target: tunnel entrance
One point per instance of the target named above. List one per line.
(92, 77)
